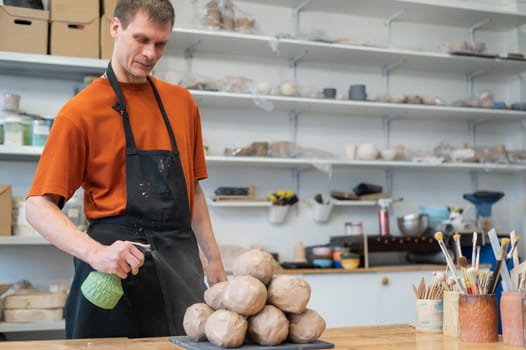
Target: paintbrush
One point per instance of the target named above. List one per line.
(495, 277)
(456, 238)
(473, 250)
(513, 247)
(463, 262)
(449, 261)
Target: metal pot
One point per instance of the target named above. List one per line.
(413, 225)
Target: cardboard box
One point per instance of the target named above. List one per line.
(23, 30)
(106, 40)
(108, 6)
(6, 210)
(75, 28)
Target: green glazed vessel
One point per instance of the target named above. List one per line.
(102, 289)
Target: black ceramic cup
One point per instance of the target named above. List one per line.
(329, 92)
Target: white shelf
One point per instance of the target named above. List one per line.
(235, 204)
(357, 203)
(327, 164)
(31, 327)
(9, 152)
(269, 47)
(33, 153)
(23, 240)
(48, 66)
(461, 15)
(211, 99)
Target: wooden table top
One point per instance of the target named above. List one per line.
(390, 337)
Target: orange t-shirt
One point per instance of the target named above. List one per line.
(86, 145)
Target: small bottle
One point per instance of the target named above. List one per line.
(383, 217)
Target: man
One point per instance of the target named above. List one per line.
(134, 144)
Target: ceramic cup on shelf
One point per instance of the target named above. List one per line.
(329, 93)
(350, 151)
(357, 92)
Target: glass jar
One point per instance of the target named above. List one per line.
(39, 131)
(13, 131)
(26, 130)
(1, 131)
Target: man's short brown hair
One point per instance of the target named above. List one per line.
(159, 11)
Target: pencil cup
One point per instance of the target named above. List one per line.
(278, 213)
(478, 318)
(451, 325)
(429, 314)
(511, 316)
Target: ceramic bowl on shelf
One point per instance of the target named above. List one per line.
(389, 154)
(350, 260)
(323, 263)
(367, 151)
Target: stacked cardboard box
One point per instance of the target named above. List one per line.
(23, 30)
(74, 28)
(6, 210)
(106, 40)
(29, 305)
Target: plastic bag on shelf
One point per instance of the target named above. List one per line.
(222, 15)
(517, 157)
(194, 81)
(286, 149)
(496, 154)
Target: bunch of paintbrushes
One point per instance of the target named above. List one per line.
(434, 290)
(468, 278)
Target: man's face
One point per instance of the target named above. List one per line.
(138, 47)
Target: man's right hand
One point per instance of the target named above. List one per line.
(120, 258)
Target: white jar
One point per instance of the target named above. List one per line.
(13, 131)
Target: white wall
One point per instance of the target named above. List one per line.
(222, 128)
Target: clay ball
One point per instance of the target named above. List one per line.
(245, 295)
(269, 327)
(255, 263)
(289, 293)
(306, 327)
(226, 328)
(214, 296)
(194, 320)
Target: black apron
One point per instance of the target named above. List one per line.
(157, 212)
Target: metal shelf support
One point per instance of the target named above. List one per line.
(386, 70)
(389, 181)
(473, 28)
(296, 17)
(386, 126)
(189, 55)
(471, 76)
(389, 22)
(293, 64)
(293, 126)
(474, 181)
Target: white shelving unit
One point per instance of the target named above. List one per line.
(6, 327)
(202, 41)
(22, 240)
(266, 47)
(457, 13)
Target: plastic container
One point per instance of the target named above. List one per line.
(1, 131)
(39, 132)
(13, 131)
